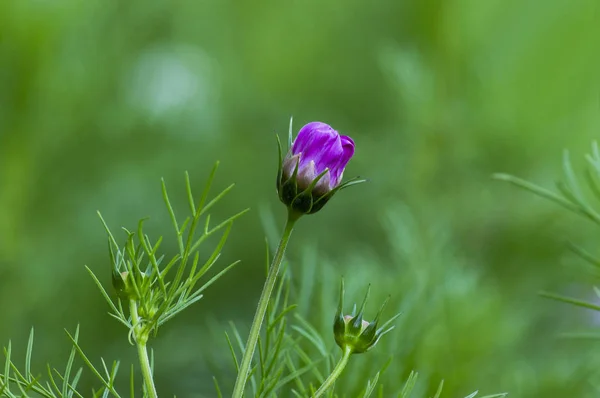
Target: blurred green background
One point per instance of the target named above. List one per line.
(100, 99)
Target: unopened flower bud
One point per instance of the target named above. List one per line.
(353, 333)
(120, 283)
(312, 171)
(123, 284)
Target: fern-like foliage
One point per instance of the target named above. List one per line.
(578, 194)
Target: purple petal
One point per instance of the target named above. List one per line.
(347, 152)
(320, 147)
(319, 142)
(313, 133)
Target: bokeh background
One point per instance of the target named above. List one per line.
(100, 99)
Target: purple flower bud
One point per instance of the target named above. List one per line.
(317, 149)
(313, 168)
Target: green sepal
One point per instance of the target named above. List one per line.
(290, 136)
(370, 332)
(280, 164)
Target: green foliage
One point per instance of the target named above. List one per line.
(577, 199)
(285, 364)
(294, 361)
(570, 194)
(58, 384)
(296, 356)
(154, 296)
(158, 305)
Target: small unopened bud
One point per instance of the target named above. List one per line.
(120, 283)
(352, 332)
(123, 285)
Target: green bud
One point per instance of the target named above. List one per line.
(121, 284)
(353, 332)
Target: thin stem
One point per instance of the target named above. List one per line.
(263, 302)
(141, 337)
(337, 371)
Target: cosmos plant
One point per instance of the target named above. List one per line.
(307, 178)
(149, 289)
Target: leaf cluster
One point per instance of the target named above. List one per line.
(164, 291)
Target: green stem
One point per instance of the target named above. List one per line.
(337, 371)
(141, 337)
(263, 302)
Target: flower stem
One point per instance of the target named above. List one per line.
(263, 302)
(337, 371)
(141, 337)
